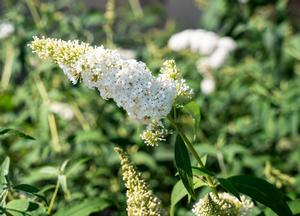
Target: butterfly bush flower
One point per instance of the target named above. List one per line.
(140, 199)
(128, 82)
(224, 204)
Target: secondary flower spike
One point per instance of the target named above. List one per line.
(127, 81)
(224, 204)
(140, 200)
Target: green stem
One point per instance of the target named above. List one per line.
(136, 8)
(53, 197)
(32, 8)
(191, 148)
(7, 70)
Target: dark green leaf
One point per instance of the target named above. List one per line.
(183, 165)
(261, 191)
(30, 189)
(14, 132)
(26, 188)
(32, 206)
(228, 186)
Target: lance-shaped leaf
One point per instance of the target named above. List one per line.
(261, 191)
(183, 165)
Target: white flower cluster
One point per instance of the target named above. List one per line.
(207, 85)
(6, 29)
(214, 49)
(205, 43)
(128, 82)
(224, 204)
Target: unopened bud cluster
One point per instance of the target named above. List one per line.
(222, 205)
(140, 199)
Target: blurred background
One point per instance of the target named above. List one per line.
(241, 57)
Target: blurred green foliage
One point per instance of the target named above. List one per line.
(252, 118)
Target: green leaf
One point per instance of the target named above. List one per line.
(76, 167)
(295, 206)
(63, 183)
(193, 108)
(183, 165)
(31, 190)
(4, 171)
(14, 132)
(202, 171)
(261, 191)
(84, 208)
(179, 192)
(228, 186)
(19, 206)
(204, 159)
(26, 188)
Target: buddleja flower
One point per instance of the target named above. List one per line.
(223, 205)
(140, 199)
(128, 82)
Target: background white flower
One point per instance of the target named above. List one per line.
(216, 49)
(6, 29)
(207, 86)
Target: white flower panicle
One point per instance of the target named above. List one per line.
(140, 199)
(217, 49)
(224, 204)
(6, 29)
(128, 82)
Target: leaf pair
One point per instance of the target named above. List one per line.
(259, 190)
(256, 188)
